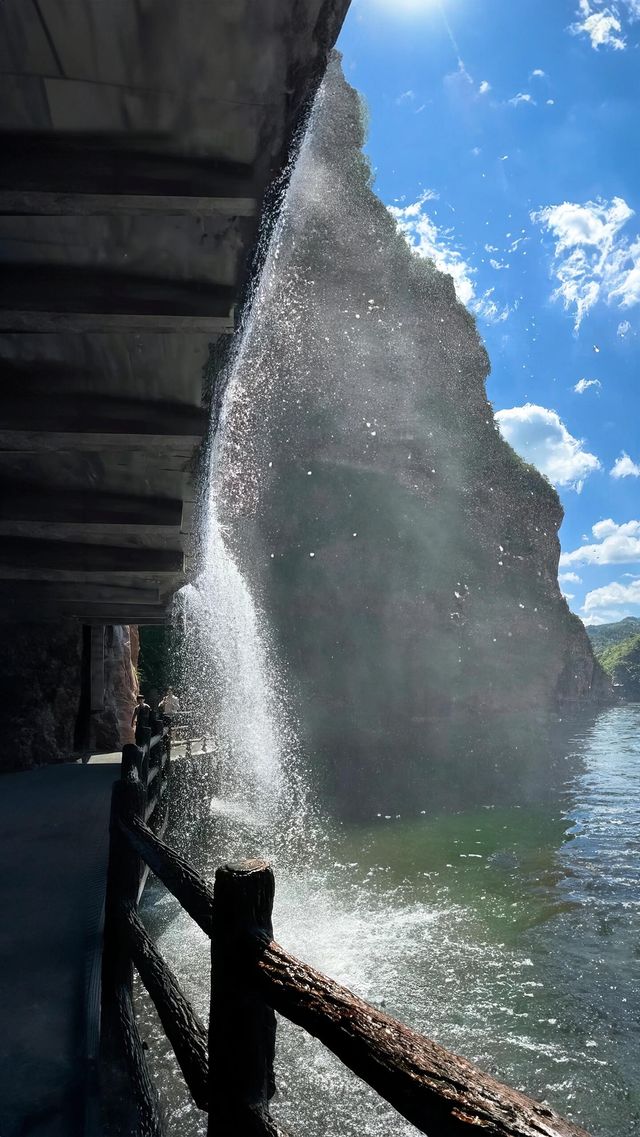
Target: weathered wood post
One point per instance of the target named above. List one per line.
(121, 1036)
(242, 1028)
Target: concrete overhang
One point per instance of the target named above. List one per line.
(139, 139)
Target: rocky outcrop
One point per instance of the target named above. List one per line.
(46, 715)
(41, 669)
(111, 727)
(406, 558)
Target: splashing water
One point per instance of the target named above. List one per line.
(237, 700)
(234, 686)
(469, 927)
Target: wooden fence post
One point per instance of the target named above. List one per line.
(242, 1028)
(121, 1036)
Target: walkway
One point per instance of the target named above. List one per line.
(53, 859)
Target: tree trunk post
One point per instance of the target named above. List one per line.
(242, 1028)
(132, 1096)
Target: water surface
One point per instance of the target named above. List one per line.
(511, 935)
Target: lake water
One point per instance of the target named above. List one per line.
(510, 935)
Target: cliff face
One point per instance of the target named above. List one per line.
(406, 557)
(41, 668)
(45, 715)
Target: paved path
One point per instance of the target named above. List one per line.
(53, 860)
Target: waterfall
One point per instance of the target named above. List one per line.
(231, 677)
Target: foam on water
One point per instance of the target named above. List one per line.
(524, 958)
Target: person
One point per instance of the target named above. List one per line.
(141, 720)
(169, 704)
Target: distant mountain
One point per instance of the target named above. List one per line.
(622, 662)
(603, 636)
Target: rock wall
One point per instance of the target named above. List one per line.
(41, 667)
(405, 557)
(44, 713)
(111, 728)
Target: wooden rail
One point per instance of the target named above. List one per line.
(251, 977)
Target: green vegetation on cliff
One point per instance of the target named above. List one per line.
(603, 636)
(622, 662)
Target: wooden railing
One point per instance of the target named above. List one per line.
(229, 1069)
(185, 734)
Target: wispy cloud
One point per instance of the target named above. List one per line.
(484, 87)
(538, 73)
(437, 243)
(614, 545)
(522, 97)
(624, 328)
(625, 467)
(592, 261)
(584, 384)
(539, 436)
(569, 578)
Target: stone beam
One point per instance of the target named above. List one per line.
(49, 593)
(18, 202)
(21, 555)
(93, 411)
(68, 506)
(112, 165)
(56, 297)
(85, 614)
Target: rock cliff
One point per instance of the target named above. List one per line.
(46, 715)
(405, 557)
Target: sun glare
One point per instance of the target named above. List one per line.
(406, 7)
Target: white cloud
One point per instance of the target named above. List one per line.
(569, 578)
(583, 385)
(612, 601)
(484, 87)
(406, 97)
(591, 260)
(497, 264)
(435, 243)
(603, 27)
(538, 73)
(540, 437)
(616, 545)
(521, 97)
(625, 467)
(624, 327)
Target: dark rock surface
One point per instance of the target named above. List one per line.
(42, 718)
(405, 557)
(41, 666)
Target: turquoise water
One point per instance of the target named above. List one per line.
(511, 935)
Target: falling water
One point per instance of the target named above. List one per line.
(478, 927)
(238, 703)
(233, 682)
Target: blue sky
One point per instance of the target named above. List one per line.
(504, 136)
